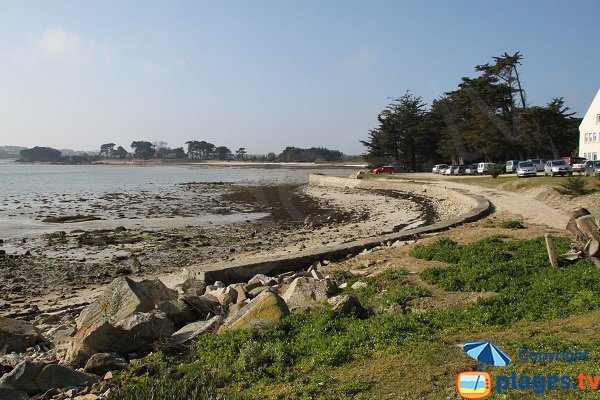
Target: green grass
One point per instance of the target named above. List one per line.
(511, 224)
(314, 355)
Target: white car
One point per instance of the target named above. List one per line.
(438, 168)
(526, 168)
(557, 167)
(484, 167)
(449, 170)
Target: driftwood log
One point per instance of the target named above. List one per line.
(586, 229)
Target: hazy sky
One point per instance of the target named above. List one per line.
(266, 74)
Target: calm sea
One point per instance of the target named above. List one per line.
(28, 192)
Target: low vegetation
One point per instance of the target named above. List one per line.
(511, 224)
(326, 355)
(574, 186)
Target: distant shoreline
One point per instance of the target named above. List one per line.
(219, 163)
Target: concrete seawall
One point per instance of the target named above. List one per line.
(241, 271)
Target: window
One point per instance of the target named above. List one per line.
(597, 119)
(585, 138)
(595, 137)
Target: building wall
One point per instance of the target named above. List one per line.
(589, 131)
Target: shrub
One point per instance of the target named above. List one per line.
(511, 224)
(574, 186)
(495, 170)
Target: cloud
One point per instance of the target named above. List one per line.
(361, 60)
(60, 45)
(57, 42)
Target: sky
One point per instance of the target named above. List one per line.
(268, 74)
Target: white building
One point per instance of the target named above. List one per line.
(589, 131)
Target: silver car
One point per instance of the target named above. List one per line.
(557, 167)
(592, 168)
(539, 163)
(526, 168)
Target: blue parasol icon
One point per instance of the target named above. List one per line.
(487, 353)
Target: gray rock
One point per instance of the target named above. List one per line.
(195, 329)
(202, 305)
(10, 394)
(22, 377)
(237, 306)
(178, 311)
(17, 335)
(58, 376)
(345, 305)
(260, 280)
(124, 297)
(256, 291)
(192, 287)
(305, 292)
(147, 326)
(241, 293)
(101, 363)
(225, 295)
(358, 285)
(265, 309)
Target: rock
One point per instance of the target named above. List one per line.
(47, 319)
(265, 309)
(89, 396)
(147, 327)
(195, 329)
(135, 333)
(192, 286)
(225, 295)
(202, 305)
(343, 285)
(58, 376)
(241, 293)
(305, 292)
(316, 274)
(121, 255)
(178, 311)
(22, 378)
(256, 291)
(17, 336)
(10, 394)
(345, 305)
(358, 285)
(237, 306)
(101, 363)
(260, 280)
(124, 297)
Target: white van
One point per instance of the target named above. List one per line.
(484, 167)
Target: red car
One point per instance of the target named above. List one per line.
(386, 169)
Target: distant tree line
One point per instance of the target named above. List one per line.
(196, 150)
(487, 118)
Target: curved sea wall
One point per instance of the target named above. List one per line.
(241, 271)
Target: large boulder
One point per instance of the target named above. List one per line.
(265, 309)
(346, 304)
(17, 336)
(22, 377)
(306, 292)
(260, 280)
(124, 297)
(192, 286)
(195, 329)
(137, 332)
(58, 376)
(101, 363)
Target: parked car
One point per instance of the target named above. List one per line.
(449, 170)
(459, 170)
(526, 168)
(592, 168)
(471, 169)
(511, 166)
(571, 160)
(557, 167)
(539, 163)
(579, 166)
(438, 168)
(484, 167)
(386, 169)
